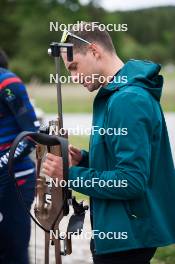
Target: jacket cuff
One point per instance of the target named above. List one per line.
(85, 159)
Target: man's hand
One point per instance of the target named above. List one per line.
(53, 165)
(75, 155)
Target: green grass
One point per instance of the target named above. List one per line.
(76, 99)
(168, 75)
(168, 94)
(81, 142)
(165, 255)
(168, 102)
(81, 197)
(79, 106)
(85, 106)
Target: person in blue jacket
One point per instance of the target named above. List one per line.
(16, 115)
(128, 172)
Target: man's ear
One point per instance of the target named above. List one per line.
(94, 48)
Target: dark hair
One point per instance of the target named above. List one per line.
(3, 59)
(93, 34)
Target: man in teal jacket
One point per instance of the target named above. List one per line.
(129, 163)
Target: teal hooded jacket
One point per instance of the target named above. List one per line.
(136, 209)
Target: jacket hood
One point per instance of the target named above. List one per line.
(144, 74)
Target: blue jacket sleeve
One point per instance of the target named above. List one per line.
(131, 152)
(16, 99)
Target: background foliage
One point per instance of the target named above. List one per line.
(25, 35)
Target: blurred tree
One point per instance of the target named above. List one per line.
(25, 34)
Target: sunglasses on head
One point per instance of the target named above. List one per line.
(65, 35)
